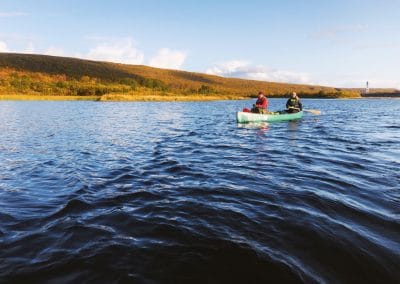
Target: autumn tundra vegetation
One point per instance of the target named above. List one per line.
(27, 76)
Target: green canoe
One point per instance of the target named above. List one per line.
(244, 117)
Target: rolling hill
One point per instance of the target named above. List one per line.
(43, 75)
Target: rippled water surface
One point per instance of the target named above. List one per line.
(180, 193)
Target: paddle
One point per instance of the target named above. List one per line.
(313, 111)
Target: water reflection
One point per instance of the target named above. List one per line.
(254, 125)
(261, 127)
(293, 129)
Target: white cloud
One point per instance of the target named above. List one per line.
(55, 51)
(167, 58)
(111, 49)
(118, 50)
(12, 14)
(3, 47)
(243, 69)
(228, 69)
(30, 49)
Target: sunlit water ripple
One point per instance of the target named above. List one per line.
(180, 193)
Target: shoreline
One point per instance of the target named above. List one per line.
(159, 98)
(144, 98)
(46, 98)
(119, 98)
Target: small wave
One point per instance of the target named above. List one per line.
(74, 206)
(139, 196)
(395, 126)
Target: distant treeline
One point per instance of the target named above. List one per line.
(50, 75)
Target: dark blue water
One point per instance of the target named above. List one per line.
(180, 193)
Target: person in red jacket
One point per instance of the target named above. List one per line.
(261, 104)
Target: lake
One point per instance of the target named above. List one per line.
(180, 193)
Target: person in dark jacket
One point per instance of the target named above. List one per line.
(261, 104)
(293, 104)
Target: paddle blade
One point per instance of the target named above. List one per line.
(313, 111)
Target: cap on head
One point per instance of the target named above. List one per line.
(260, 93)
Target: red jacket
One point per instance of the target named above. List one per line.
(262, 102)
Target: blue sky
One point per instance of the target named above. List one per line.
(337, 43)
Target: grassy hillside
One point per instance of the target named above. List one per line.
(41, 75)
